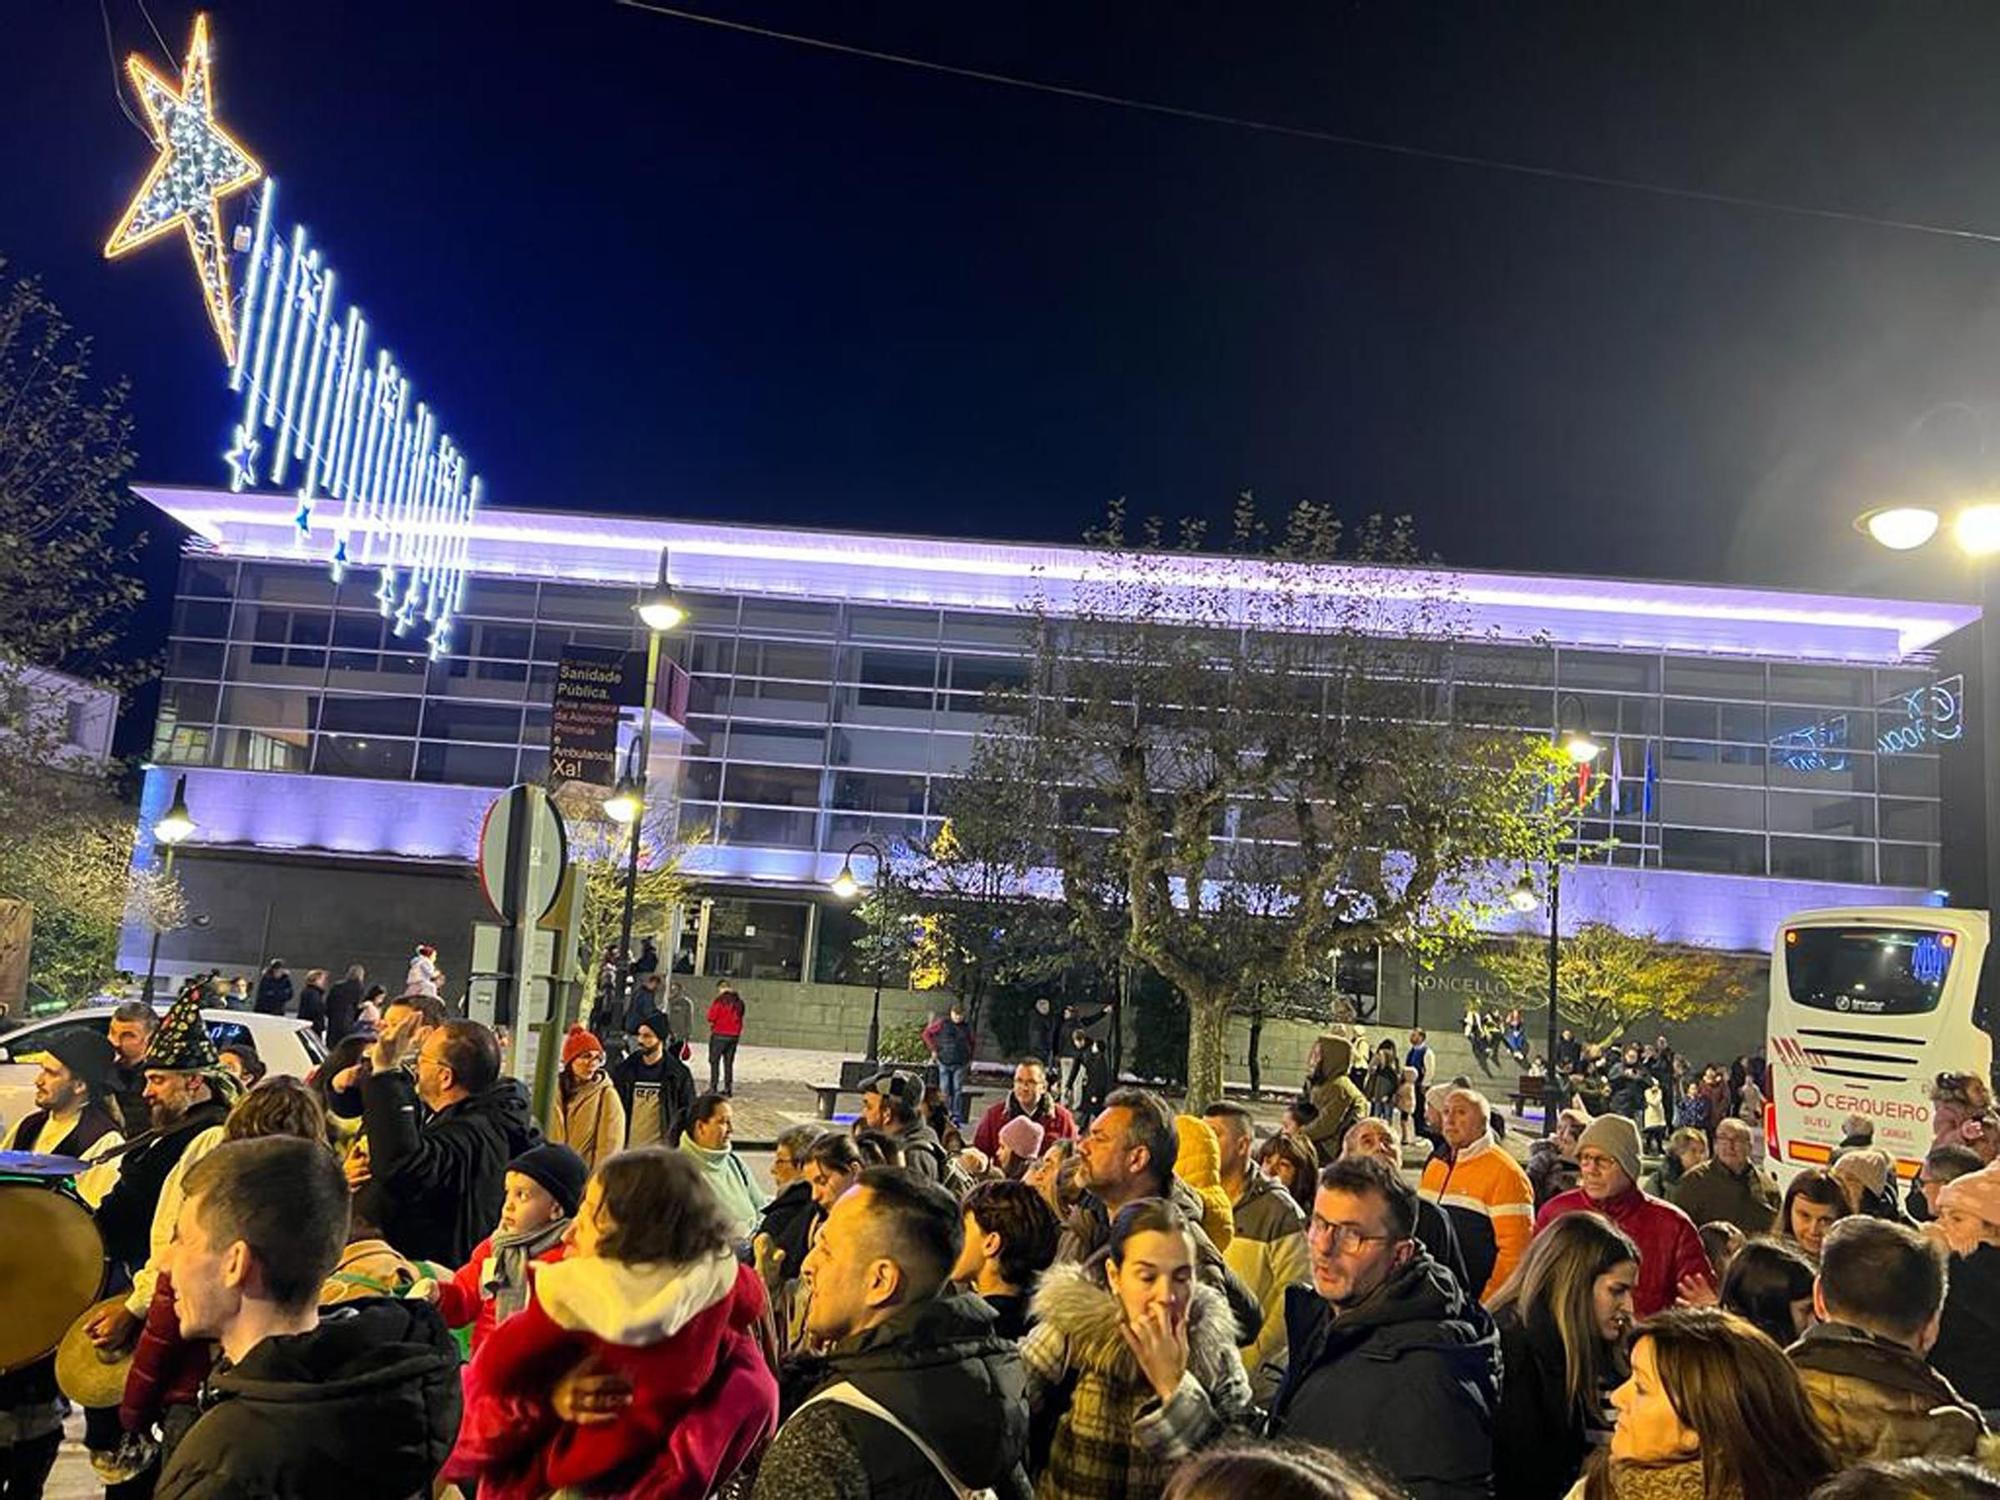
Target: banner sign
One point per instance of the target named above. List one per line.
(591, 686)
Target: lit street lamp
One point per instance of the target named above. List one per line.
(174, 827)
(845, 886)
(660, 611)
(1975, 533)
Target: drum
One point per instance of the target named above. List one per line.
(51, 1256)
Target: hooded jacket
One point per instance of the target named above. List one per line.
(1409, 1379)
(1115, 1439)
(1334, 1095)
(923, 1152)
(941, 1368)
(683, 1335)
(1875, 1399)
(1268, 1253)
(1669, 1246)
(440, 1184)
(365, 1404)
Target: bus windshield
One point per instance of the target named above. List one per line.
(1870, 971)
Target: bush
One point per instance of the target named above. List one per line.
(904, 1044)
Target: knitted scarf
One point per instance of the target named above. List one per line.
(505, 1278)
(1675, 1481)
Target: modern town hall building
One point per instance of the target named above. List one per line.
(1767, 750)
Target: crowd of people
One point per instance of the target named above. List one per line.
(390, 1280)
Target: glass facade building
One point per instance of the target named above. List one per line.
(837, 683)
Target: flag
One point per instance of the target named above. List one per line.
(1617, 775)
(1651, 796)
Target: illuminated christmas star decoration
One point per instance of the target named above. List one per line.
(347, 427)
(197, 167)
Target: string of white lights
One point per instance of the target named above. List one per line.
(315, 394)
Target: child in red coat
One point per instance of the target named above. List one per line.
(650, 1292)
(544, 1185)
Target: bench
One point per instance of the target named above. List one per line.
(1528, 1089)
(828, 1096)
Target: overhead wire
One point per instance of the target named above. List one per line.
(1322, 137)
(117, 75)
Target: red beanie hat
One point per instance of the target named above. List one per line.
(577, 1043)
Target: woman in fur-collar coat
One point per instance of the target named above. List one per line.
(1132, 1362)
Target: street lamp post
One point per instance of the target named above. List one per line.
(1582, 748)
(845, 886)
(173, 828)
(659, 612)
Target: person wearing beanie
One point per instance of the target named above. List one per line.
(70, 1117)
(1198, 1163)
(544, 1185)
(1867, 1174)
(1670, 1253)
(589, 1115)
(1967, 1351)
(1020, 1146)
(654, 1085)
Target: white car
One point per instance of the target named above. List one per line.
(287, 1046)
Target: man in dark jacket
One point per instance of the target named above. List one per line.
(131, 1036)
(1044, 1026)
(362, 1401)
(437, 1183)
(274, 990)
(917, 1386)
(343, 1003)
(1390, 1359)
(892, 1102)
(786, 1227)
(951, 1043)
(654, 1085)
(1128, 1154)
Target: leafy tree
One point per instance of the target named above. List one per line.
(599, 849)
(67, 592)
(1241, 762)
(1609, 981)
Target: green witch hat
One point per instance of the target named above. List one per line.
(182, 1044)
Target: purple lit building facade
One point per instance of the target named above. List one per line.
(1775, 750)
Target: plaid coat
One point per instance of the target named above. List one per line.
(1115, 1440)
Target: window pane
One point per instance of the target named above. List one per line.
(188, 702)
(1909, 864)
(501, 598)
(183, 744)
(1694, 721)
(269, 708)
(756, 658)
(1712, 806)
(472, 721)
(1609, 670)
(208, 578)
(354, 755)
(199, 659)
(1802, 812)
(701, 780)
(280, 584)
(870, 622)
(208, 619)
(896, 669)
(1714, 679)
(769, 826)
(463, 677)
(590, 606)
(371, 715)
(707, 653)
(1800, 684)
(468, 765)
(880, 750)
(256, 750)
(1909, 775)
(802, 746)
(493, 639)
(866, 791)
(986, 674)
(885, 706)
(1832, 770)
(787, 617)
(773, 785)
(1910, 820)
(1823, 859)
(1718, 853)
(756, 939)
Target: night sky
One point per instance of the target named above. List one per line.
(641, 264)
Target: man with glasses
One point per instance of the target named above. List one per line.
(1672, 1264)
(1390, 1359)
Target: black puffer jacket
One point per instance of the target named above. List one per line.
(1409, 1379)
(946, 1374)
(365, 1404)
(439, 1184)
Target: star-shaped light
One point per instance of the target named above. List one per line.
(242, 459)
(197, 167)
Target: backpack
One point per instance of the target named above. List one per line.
(848, 1394)
(952, 1177)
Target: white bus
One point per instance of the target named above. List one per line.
(1868, 1006)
